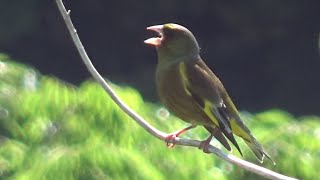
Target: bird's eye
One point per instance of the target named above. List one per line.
(168, 33)
(169, 30)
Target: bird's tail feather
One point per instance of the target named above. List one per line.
(231, 138)
(258, 150)
(241, 130)
(220, 135)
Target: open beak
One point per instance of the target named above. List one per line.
(155, 41)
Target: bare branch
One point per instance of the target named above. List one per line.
(155, 132)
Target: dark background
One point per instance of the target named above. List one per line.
(264, 51)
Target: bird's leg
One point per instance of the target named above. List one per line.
(175, 134)
(204, 145)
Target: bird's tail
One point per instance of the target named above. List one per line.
(257, 149)
(220, 135)
(240, 129)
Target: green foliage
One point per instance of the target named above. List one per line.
(53, 130)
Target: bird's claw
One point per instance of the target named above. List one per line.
(172, 136)
(204, 146)
(169, 140)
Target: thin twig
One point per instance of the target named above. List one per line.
(155, 132)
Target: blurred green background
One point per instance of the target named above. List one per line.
(54, 130)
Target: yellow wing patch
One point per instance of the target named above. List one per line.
(207, 109)
(237, 130)
(184, 78)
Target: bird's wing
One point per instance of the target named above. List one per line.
(209, 92)
(219, 136)
(205, 90)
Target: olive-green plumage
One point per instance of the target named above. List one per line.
(189, 89)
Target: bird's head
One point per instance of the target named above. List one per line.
(173, 40)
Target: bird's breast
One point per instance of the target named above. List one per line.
(173, 95)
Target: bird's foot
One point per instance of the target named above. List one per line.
(204, 145)
(170, 137)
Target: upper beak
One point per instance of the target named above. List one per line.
(155, 41)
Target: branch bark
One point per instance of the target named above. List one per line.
(153, 131)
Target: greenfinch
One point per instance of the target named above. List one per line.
(191, 91)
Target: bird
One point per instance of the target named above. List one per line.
(191, 91)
